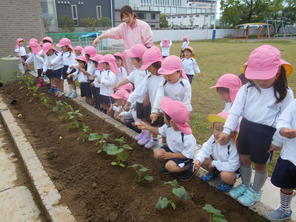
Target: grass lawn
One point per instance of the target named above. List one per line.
(215, 59)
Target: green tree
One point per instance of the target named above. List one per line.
(89, 22)
(163, 21)
(66, 23)
(47, 22)
(289, 12)
(104, 22)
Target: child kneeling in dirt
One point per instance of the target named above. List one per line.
(181, 144)
(218, 159)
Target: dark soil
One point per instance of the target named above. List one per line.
(94, 190)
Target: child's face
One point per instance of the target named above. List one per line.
(49, 52)
(95, 64)
(65, 48)
(81, 64)
(173, 78)
(77, 52)
(119, 62)
(21, 43)
(217, 129)
(225, 96)
(136, 63)
(264, 84)
(106, 66)
(87, 56)
(152, 69)
(187, 53)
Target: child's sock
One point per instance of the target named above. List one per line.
(154, 138)
(259, 181)
(246, 173)
(286, 201)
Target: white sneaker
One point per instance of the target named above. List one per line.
(150, 144)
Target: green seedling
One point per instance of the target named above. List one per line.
(99, 139)
(73, 114)
(177, 191)
(85, 133)
(215, 214)
(44, 100)
(141, 170)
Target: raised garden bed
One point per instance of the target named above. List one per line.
(93, 189)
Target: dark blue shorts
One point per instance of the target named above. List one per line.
(105, 100)
(284, 174)
(97, 97)
(143, 112)
(64, 72)
(39, 72)
(50, 73)
(180, 162)
(254, 139)
(58, 73)
(85, 89)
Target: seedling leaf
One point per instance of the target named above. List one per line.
(162, 203)
(149, 178)
(181, 193)
(93, 137)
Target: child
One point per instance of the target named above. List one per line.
(151, 62)
(181, 144)
(218, 159)
(185, 44)
(83, 78)
(108, 81)
(284, 174)
(20, 50)
(227, 87)
(52, 72)
(68, 58)
(165, 46)
(119, 61)
(37, 60)
(120, 97)
(189, 63)
(175, 85)
(97, 78)
(259, 103)
(78, 50)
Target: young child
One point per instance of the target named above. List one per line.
(181, 144)
(189, 63)
(52, 72)
(20, 50)
(218, 159)
(83, 78)
(120, 97)
(151, 62)
(227, 87)
(108, 81)
(68, 58)
(97, 78)
(46, 39)
(119, 61)
(284, 174)
(175, 85)
(78, 50)
(185, 44)
(165, 46)
(259, 103)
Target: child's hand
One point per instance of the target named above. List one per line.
(142, 125)
(153, 117)
(50, 65)
(224, 139)
(69, 76)
(115, 87)
(196, 165)
(289, 133)
(273, 147)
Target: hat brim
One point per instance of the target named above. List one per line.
(62, 45)
(214, 118)
(129, 54)
(145, 66)
(45, 51)
(166, 71)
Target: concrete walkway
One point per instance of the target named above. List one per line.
(16, 200)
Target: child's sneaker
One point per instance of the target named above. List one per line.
(208, 176)
(164, 171)
(73, 95)
(145, 139)
(151, 143)
(238, 191)
(139, 136)
(186, 175)
(223, 187)
(278, 215)
(249, 198)
(68, 94)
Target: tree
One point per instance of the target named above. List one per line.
(289, 12)
(66, 23)
(104, 22)
(47, 22)
(163, 21)
(89, 22)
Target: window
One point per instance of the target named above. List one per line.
(99, 11)
(74, 14)
(153, 16)
(141, 15)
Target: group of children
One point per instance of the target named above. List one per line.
(155, 99)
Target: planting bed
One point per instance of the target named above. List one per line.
(94, 190)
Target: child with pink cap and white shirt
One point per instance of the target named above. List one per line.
(120, 97)
(119, 56)
(165, 46)
(259, 103)
(227, 87)
(190, 66)
(179, 151)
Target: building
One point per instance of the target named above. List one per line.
(17, 19)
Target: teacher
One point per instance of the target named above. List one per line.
(132, 30)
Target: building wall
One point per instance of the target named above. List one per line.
(19, 19)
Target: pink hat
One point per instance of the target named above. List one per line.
(231, 82)
(151, 56)
(33, 40)
(165, 42)
(78, 48)
(178, 112)
(189, 48)
(18, 40)
(136, 51)
(170, 65)
(119, 54)
(97, 58)
(65, 42)
(81, 58)
(35, 47)
(185, 38)
(128, 87)
(47, 38)
(46, 47)
(90, 50)
(264, 63)
(120, 94)
(110, 59)
(218, 118)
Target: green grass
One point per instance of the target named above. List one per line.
(215, 59)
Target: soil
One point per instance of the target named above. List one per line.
(94, 190)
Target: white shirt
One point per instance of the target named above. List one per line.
(80, 76)
(227, 107)
(184, 45)
(137, 76)
(67, 58)
(256, 106)
(179, 91)
(149, 85)
(21, 51)
(108, 82)
(36, 60)
(91, 69)
(97, 79)
(225, 158)
(165, 51)
(186, 146)
(47, 61)
(287, 120)
(122, 75)
(190, 66)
